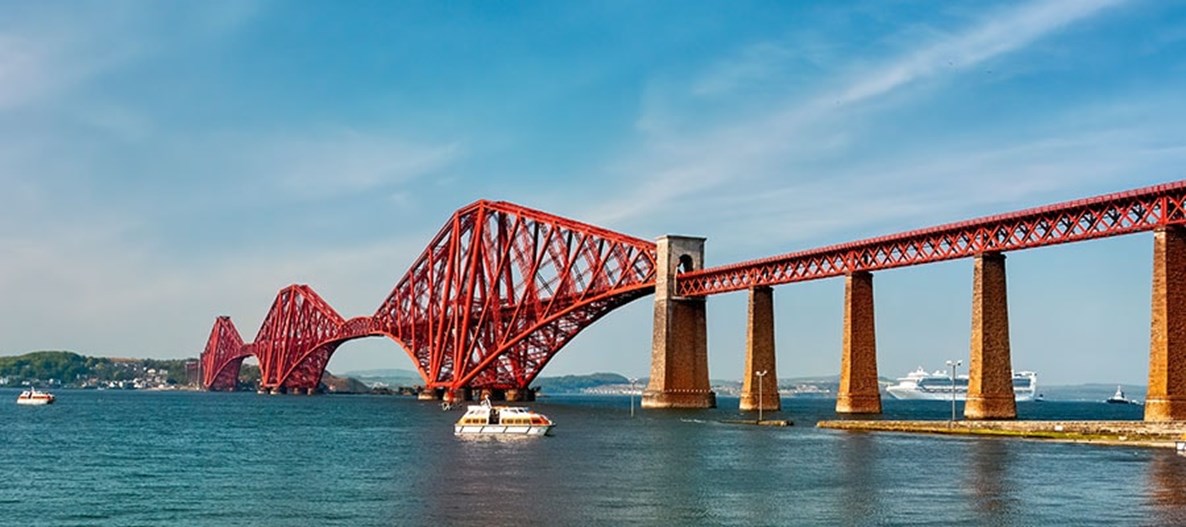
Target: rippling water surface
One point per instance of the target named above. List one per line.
(181, 458)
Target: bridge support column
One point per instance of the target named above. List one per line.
(679, 339)
(859, 391)
(990, 371)
(493, 394)
(1166, 400)
(759, 354)
(459, 395)
(520, 396)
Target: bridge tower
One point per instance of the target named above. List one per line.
(679, 339)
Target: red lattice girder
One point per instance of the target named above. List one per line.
(1109, 215)
(223, 355)
(502, 288)
(299, 323)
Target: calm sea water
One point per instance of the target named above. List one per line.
(180, 458)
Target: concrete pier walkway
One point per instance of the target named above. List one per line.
(1162, 434)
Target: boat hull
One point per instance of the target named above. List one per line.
(34, 402)
(474, 430)
(918, 395)
(1125, 401)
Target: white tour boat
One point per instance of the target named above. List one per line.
(938, 386)
(487, 419)
(32, 396)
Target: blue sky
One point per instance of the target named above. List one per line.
(162, 163)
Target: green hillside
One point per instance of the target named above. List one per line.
(62, 366)
(576, 383)
(67, 368)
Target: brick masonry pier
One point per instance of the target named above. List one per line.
(1166, 399)
(859, 392)
(679, 347)
(990, 375)
(1130, 433)
(759, 354)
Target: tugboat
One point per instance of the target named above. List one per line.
(1119, 398)
(34, 397)
(487, 419)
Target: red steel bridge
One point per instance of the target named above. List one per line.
(502, 288)
(498, 291)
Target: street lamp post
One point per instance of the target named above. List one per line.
(632, 381)
(761, 375)
(953, 365)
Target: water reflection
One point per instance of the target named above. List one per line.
(491, 479)
(861, 494)
(989, 482)
(1166, 488)
(761, 460)
(676, 467)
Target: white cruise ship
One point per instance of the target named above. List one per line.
(937, 386)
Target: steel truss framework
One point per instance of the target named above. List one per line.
(497, 293)
(1109, 215)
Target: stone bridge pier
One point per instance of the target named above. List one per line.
(859, 391)
(990, 370)
(1166, 399)
(990, 376)
(679, 341)
(760, 391)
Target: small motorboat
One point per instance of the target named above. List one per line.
(487, 419)
(1119, 398)
(34, 397)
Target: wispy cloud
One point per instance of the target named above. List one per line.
(47, 50)
(762, 148)
(122, 296)
(753, 64)
(344, 162)
(113, 220)
(21, 73)
(999, 34)
(921, 189)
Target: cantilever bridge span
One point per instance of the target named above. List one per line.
(502, 288)
(499, 290)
